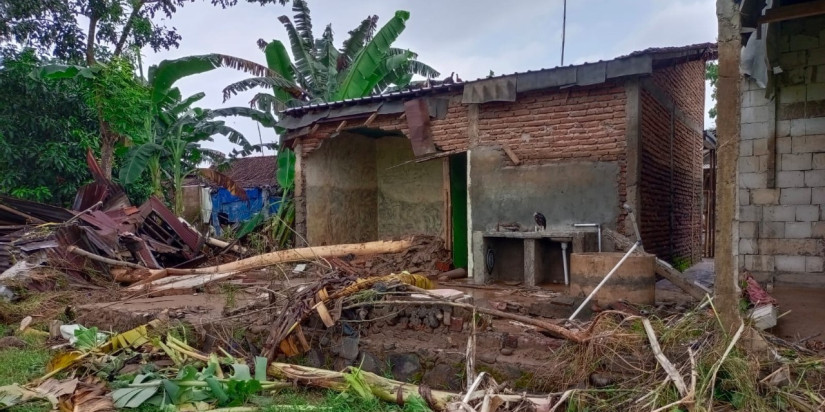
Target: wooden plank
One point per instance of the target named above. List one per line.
(511, 154)
(796, 11)
(371, 119)
(341, 126)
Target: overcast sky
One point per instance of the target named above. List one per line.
(469, 37)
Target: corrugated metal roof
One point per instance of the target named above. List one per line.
(612, 68)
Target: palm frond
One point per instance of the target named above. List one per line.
(264, 118)
(262, 44)
(422, 69)
(274, 82)
(358, 37)
(303, 22)
(304, 56)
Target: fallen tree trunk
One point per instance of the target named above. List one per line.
(663, 269)
(284, 256)
(385, 389)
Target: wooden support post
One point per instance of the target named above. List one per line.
(371, 119)
(341, 126)
(728, 128)
(511, 154)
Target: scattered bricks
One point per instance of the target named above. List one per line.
(797, 196)
(798, 230)
(772, 230)
(814, 264)
(798, 247)
(760, 147)
(815, 178)
(790, 263)
(747, 230)
(456, 324)
(801, 161)
(807, 213)
(750, 213)
(748, 246)
(753, 180)
(779, 213)
(765, 196)
(760, 263)
(790, 179)
(818, 230)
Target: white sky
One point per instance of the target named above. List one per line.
(469, 37)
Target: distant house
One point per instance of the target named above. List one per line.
(215, 205)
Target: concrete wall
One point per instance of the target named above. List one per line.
(566, 193)
(782, 162)
(411, 198)
(341, 191)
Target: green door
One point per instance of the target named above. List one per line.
(458, 200)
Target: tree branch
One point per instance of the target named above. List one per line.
(128, 28)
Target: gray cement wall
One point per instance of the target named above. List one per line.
(565, 192)
(341, 191)
(782, 163)
(410, 197)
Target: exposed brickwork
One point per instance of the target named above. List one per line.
(671, 190)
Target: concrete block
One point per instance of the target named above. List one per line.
(798, 230)
(784, 145)
(815, 178)
(807, 213)
(748, 164)
(748, 247)
(755, 114)
(779, 213)
(797, 127)
(790, 263)
(815, 125)
(760, 147)
(818, 196)
(744, 197)
(783, 128)
(746, 148)
(800, 161)
(803, 41)
(765, 196)
(753, 180)
(792, 59)
(795, 247)
(814, 264)
(818, 230)
(764, 162)
(808, 144)
(754, 98)
(750, 213)
(760, 130)
(795, 196)
(790, 179)
(819, 74)
(747, 230)
(771, 230)
(815, 91)
(818, 161)
(760, 263)
(792, 94)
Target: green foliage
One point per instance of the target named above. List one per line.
(712, 75)
(45, 128)
(121, 100)
(681, 264)
(286, 169)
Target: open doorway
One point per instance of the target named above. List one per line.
(458, 208)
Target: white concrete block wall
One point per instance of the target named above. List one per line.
(782, 217)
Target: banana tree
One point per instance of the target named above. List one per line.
(365, 64)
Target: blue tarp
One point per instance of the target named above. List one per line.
(236, 210)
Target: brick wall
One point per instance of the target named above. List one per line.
(782, 162)
(672, 104)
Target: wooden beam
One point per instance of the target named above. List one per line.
(371, 119)
(315, 128)
(403, 116)
(796, 11)
(511, 154)
(341, 126)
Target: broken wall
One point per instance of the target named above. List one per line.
(341, 191)
(782, 161)
(672, 115)
(411, 197)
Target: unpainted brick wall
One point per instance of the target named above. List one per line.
(782, 181)
(671, 163)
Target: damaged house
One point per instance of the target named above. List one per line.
(473, 161)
